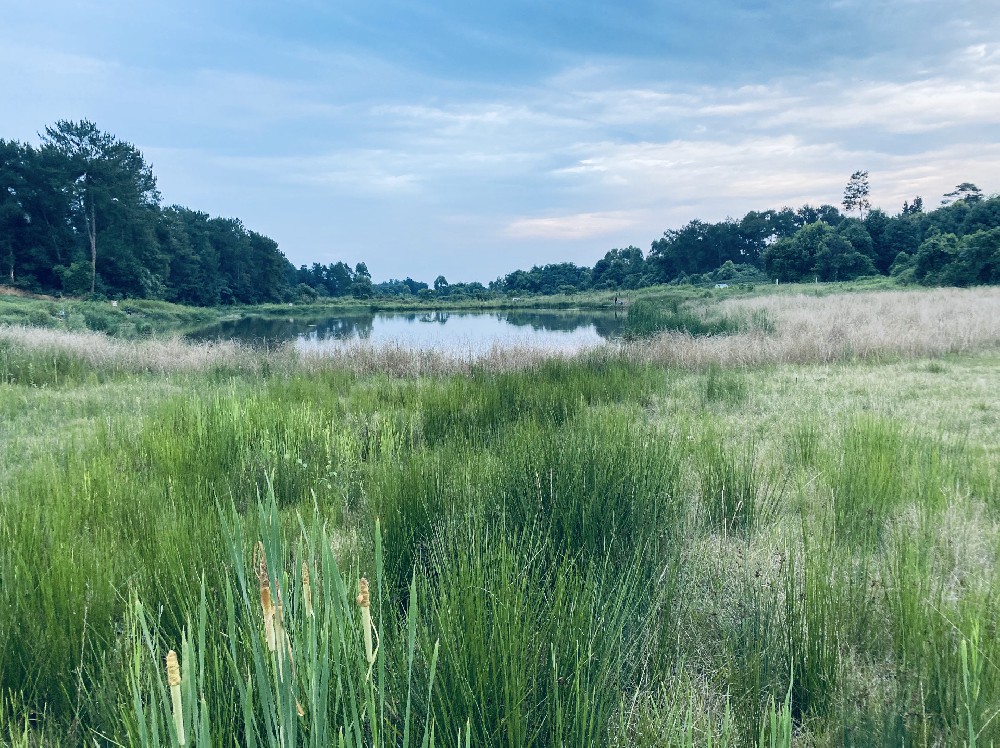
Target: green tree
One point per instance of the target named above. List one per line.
(856, 193)
(977, 261)
(793, 259)
(838, 260)
(107, 179)
(934, 256)
(362, 287)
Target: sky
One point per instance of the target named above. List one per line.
(470, 138)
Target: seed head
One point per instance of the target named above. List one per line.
(364, 597)
(173, 669)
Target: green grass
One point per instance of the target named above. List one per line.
(584, 552)
(646, 318)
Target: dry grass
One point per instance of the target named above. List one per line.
(115, 355)
(820, 329)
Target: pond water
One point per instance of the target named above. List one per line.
(458, 332)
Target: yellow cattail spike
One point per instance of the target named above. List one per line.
(174, 681)
(266, 603)
(364, 602)
(307, 590)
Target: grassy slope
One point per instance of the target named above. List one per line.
(836, 521)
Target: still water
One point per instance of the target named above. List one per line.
(458, 332)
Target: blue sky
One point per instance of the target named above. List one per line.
(472, 138)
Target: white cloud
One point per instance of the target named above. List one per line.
(575, 226)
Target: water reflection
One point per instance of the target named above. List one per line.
(456, 331)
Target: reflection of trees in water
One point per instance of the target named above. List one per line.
(607, 325)
(344, 328)
(261, 331)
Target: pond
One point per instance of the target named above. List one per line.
(457, 332)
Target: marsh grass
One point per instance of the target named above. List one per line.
(805, 441)
(739, 493)
(315, 687)
(646, 318)
(724, 386)
(615, 562)
(867, 481)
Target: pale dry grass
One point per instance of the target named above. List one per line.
(873, 325)
(110, 354)
(399, 360)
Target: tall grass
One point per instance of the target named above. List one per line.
(867, 481)
(646, 318)
(575, 552)
(739, 494)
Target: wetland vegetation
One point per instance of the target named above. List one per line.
(783, 529)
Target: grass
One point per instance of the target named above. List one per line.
(599, 550)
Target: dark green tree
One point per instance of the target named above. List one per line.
(794, 259)
(966, 191)
(934, 256)
(111, 188)
(838, 260)
(361, 287)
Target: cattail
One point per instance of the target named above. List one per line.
(174, 681)
(307, 590)
(364, 602)
(266, 604)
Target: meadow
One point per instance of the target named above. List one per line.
(780, 528)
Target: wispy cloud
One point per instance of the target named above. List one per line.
(575, 226)
(369, 134)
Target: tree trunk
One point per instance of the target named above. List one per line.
(92, 235)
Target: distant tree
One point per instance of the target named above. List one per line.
(974, 261)
(414, 286)
(856, 232)
(856, 193)
(826, 213)
(917, 206)
(362, 287)
(877, 224)
(966, 191)
(838, 260)
(936, 253)
(619, 268)
(441, 285)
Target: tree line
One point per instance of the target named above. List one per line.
(80, 214)
(957, 244)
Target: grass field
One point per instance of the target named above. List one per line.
(782, 532)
